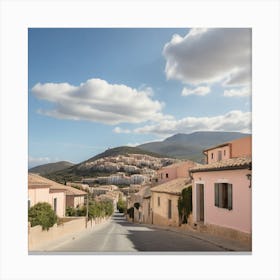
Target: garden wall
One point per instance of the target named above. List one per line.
(39, 238)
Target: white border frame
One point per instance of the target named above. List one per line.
(262, 16)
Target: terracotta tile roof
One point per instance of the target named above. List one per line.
(37, 180)
(178, 164)
(173, 187)
(232, 163)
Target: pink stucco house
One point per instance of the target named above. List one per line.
(57, 195)
(174, 171)
(222, 190)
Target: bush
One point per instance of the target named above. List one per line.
(121, 205)
(71, 211)
(42, 214)
(185, 204)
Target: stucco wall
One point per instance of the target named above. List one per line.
(160, 213)
(60, 202)
(174, 171)
(38, 238)
(240, 217)
(183, 169)
(242, 147)
(171, 171)
(225, 152)
(38, 195)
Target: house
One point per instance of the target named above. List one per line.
(41, 191)
(164, 200)
(173, 171)
(60, 196)
(222, 190)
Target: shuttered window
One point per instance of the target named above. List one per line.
(169, 209)
(55, 204)
(217, 194)
(223, 195)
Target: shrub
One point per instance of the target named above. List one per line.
(185, 204)
(71, 211)
(121, 206)
(130, 212)
(42, 214)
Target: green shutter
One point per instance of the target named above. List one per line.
(229, 196)
(217, 194)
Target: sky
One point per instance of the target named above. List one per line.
(98, 88)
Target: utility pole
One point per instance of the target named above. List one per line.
(87, 212)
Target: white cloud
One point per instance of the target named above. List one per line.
(206, 56)
(231, 121)
(241, 92)
(196, 91)
(34, 161)
(132, 144)
(97, 100)
(121, 130)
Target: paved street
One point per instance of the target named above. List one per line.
(118, 235)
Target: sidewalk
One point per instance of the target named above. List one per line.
(225, 243)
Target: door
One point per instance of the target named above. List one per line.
(200, 202)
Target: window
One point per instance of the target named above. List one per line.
(212, 155)
(158, 201)
(169, 209)
(219, 155)
(54, 204)
(166, 175)
(29, 203)
(224, 152)
(223, 195)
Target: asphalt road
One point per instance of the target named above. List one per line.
(118, 235)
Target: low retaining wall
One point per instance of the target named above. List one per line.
(37, 237)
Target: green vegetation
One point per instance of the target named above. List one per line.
(185, 204)
(50, 167)
(95, 209)
(100, 209)
(130, 212)
(121, 205)
(42, 214)
(124, 150)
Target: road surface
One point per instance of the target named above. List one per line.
(118, 235)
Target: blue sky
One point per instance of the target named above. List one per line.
(90, 89)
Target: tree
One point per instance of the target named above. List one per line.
(121, 205)
(185, 204)
(42, 214)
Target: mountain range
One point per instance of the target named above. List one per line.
(180, 146)
(190, 146)
(51, 167)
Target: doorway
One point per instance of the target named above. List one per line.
(200, 202)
